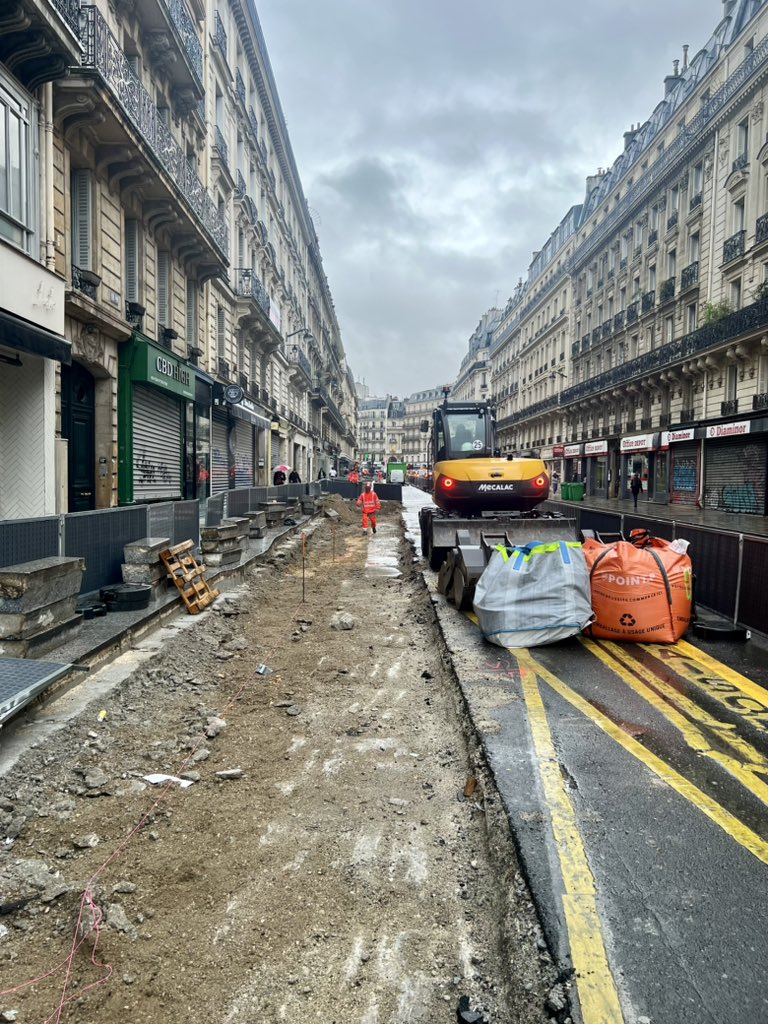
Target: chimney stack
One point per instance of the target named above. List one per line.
(629, 137)
(671, 80)
(685, 56)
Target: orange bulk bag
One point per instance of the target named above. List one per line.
(642, 594)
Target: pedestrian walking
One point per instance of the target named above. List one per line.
(354, 476)
(636, 487)
(293, 477)
(369, 500)
(321, 474)
(279, 478)
(555, 482)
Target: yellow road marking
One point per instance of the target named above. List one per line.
(617, 660)
(731, 825)
(734, 691)
(594, 982)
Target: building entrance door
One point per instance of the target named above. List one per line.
(78, 427)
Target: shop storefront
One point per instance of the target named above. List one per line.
(638, 456)
(238, 440)
(684, 465)
(198, 461)
(596, 465)
(154, 389)
(556, 463)
(735, 459)
(573, 456)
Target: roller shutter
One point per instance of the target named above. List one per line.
(157, 444)
(243, 447)
(219, 452)
(735, 475)
(685, 473)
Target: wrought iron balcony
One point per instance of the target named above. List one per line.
(240, 86)
(686, 415)
(585, 343)
(220, 144)
(249, 286)
(597, 334)
(611, 273)
(761, 229)
(575, 348)
(242, 379)
(730, 407)
(297, 357)
(631, 425)
(633, 311)
(618, 321)
(733, 247)
(637, 253)
(85, 281)
(695, 201)
(672, 220)
(653, 236)
(760, 402)
(623, 263)
(102, 52)
(667, 290)
(616, 428)
(253, 121)
(649, 300)
(220, 34)
(239, 185)
(222, 368)
(665, 419)
(600, 282)
(689, 276)
(185, 30)
(646, 423)
(741, 162)
(70, 12)
(608, 328)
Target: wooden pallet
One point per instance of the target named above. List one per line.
(182, 567)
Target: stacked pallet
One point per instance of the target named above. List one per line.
(189, 576)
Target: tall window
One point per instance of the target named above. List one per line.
(693, 246)
(18, 177)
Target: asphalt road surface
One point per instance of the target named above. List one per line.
(635, 778)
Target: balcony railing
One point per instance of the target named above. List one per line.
(695, 201)
(185, 28)
(220, 34)
(751, 319)
(585, 343)
(70, 12)
(686, 415)
(653, 236)
(597, 334)
(729, 408)
(623, 263)
(240, 86)
(618, 321)
(221, 145)
(761, 229)
(296, 356)
(253, 121)
(633, 311)
(239, 185)
(667, 290)
(646, 423)
(85, 281)
(631, 425)
(689, 276)
(672, 220)
(649, 300)
(665, 419)
(741, 162)
(760, 402)
(733, 247)
(575, 348)
(250, 287)
(222, 368)
(608, 328)
(102, 52)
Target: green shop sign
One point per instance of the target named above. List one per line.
(148, 364)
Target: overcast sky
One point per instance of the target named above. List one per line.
(440, 142)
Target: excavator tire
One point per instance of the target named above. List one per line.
(445, 575)
(461, 592)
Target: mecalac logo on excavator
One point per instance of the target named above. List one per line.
(496, 487)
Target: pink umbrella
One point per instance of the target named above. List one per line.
(285, 469)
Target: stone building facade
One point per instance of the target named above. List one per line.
(639, 340)
(194, 342)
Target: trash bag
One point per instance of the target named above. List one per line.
(533, 594)
(641, 593)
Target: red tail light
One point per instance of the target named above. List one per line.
(540, 481)
(447, 482)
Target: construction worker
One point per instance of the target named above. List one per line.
(369, 500)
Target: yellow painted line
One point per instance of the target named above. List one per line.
(731, 825)
(598, 997)
(619, 662)
(734, 691)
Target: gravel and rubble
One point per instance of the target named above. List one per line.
(340, 855)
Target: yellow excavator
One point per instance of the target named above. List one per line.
(480, 497)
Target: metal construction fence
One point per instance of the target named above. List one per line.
(730, 568)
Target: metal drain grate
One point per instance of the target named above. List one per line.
(21, 679)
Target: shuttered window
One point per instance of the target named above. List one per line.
(132, 260)
(157, 449)
(220, 333)
(82, 220)
(164, 288)
(192, 313)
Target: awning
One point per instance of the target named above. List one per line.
(28, 337)
(250, 417)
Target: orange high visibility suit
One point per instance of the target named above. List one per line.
(369, 499)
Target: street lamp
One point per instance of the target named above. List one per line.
(302, 330)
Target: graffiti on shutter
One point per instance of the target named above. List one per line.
(685, 473)
(735, 476)
(219, 453)
(157, 451)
